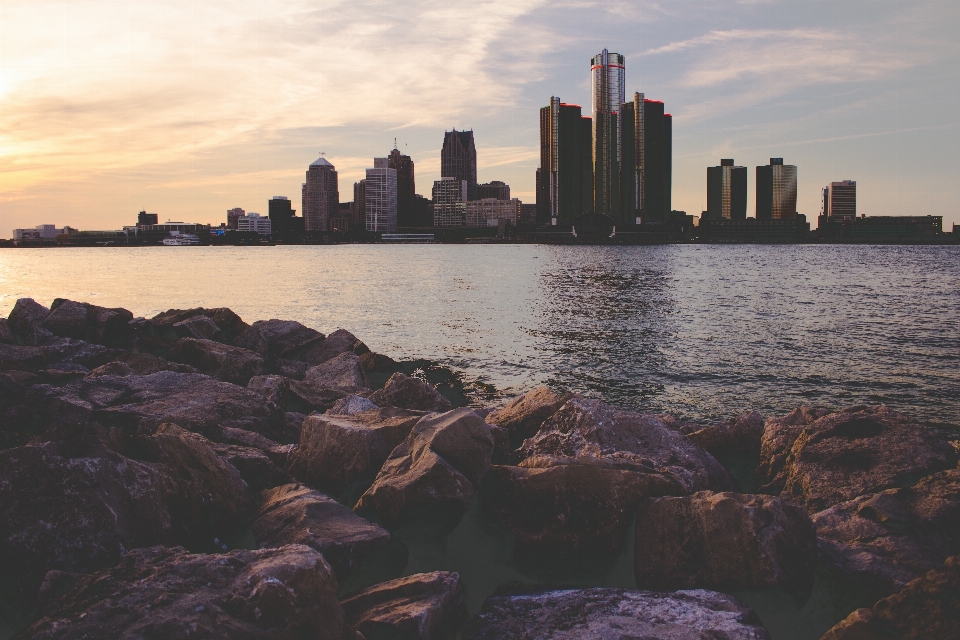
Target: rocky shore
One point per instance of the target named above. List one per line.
(190, 475)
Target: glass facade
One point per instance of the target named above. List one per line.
(449, 202)
(380, 193)
(607, 83)
(321, 195)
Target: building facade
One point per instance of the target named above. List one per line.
(147, 218)
(360, 204)
(646, 177)
(281, 214)
(232, 216)
(458, 159)
(840, 200)
(380, 195)
(450, 202)
(726, 191)
(776, 191)
(488, 212)
(321, 195)
(256, 223)
(565, 177)
(607, 84)
(495, 189)
(406, 187)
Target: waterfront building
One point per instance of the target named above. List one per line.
(232, 216)
(488, 212)
(406, 186)
(607, 83)
(646, 177)
(495, 189)
(565, 176)
(255, 223)
(146, 218)
(41, 232)
(726, 191)
(281, 214)
(776, 191)
(422, 211)
(528, 214)
(751, 230)
(380, 195)
(342, 222)
(360, 204)
(881, 229)
(321, 195)
(458, 159)
(840, 200)
(450, 202)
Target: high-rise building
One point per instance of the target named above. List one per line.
(450, 202)
(146, 218)
(840, 200)
(321, 195)
(646, 192)
(380, 193)
(727, 191)
(422, 211)
(458, 159)
(281, 214)
(232, 216)
(607, 82)
(343, 221)
(360, 204)
(487, 212)
(776, 191)
(406, 187)
(566, 163)
(496, 189)
(528, 214)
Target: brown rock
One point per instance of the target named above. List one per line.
(821, 460)
(306, 397)
(348, 405)
(405, 392)
(523, 415)
(229, 323)
(256, 468)
(199, 327)
(294, 514)
(427, 606)
(26, 322)
(740, 433)
(67, 320)
(339, 342)
(17, 358)
(371, 362)
(90, 322)
(724, 541)
(274, 388)
(6, 335)
(275, 451)
(342, 373)
(230, 364)
(143, 364)
(274, 339)
(284, 593)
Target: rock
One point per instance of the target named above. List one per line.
(17, 358)
(928, 608)
(339, 342)
(294, 514)
(115, 368)
(349, 405)
(724, 541)
(16, 417)
(256, 468)
(307, 397)
(615, 614)
(371, 362)
(501, 443)
(143, 364)
(819, 460)
(273, 450)
(427, 606)
(293, 369)
(405, 392)
(169, 593)
(435, 470)
(274, 339)
(86, 354)
(897, 535)
(274, 389)
(6, 335)
(67, 320)
(26, 322)
(740, 433)
(523, 415)
(230, 364)
(293, 421)
(229, 323)
(199, 327)
(342, 373)
(336, 450)
(62, 373)
(109, 327)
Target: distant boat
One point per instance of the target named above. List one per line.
(182, 240)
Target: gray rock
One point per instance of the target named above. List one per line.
(199, 327)
(274, 388)
(349, 405)
(6, 335)
(26, 322)
(16, 358)
(274, 339)
(339, 342)
(67, 320)
(342, 373)
(523, 415)
(228, 363)
(228, 322)
(405, 392)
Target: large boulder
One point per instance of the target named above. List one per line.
(6, 335)
(199, 327)
(609, 613)
(523, 415)
(819, 460)
(405, 392)
(294, 514)
(228, 323)
(342, 373)
(274, 339)
(307, 397)
(339, 342)
(67, 320)
(274, 388)
(26, 322)
(106, 326)
(897, 535)
(336, 450)
(724, 541)
(377, 362)
(255, 467)
(927, 608)
(283, 593)
(130, 363)
(740, 433)
(228, 363)
(16, 358)
(436, 469)
(62, 351)
(424, 606)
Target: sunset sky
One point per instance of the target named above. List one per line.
(188, 109)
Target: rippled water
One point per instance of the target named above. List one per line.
(702, 331)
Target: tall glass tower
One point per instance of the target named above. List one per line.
(607, 80)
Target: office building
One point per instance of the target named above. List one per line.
(776, 191)
(146, 218)
(321, 195)
(450, 202)
(458, 159)
(607, 82)
(422, 211)
(281, 214)
(565, 185)
(496, 189)
(380, 195)
(839, 228)
(256, 223)
(232, 216)
(528, 214)
(406, 187)
(343, 221)
(840, 200)
(646, 177)
(726, 191)
(360, 204)
(488, 212)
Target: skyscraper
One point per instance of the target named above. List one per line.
(321, 195)
(406, 187)
(449, 202)
(359, 204)
(565, 160)
(607, 82)
(458, 159)
(727, 191)
(840, 200)
(280, 212)
(380, 193)
(776, 191)
(646, 162)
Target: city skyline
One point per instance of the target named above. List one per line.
(185, 118)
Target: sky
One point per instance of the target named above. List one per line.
(190, 108)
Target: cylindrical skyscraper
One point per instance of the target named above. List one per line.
(607, 80)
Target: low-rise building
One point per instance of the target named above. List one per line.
(450, 202)
(256, 223)
(488, 212)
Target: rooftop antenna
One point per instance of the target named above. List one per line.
(394, 143)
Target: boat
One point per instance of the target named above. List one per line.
(181, 240)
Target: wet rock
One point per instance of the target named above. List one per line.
(256, 468)
(615, 614)
(6, 335)
(228, 363)
(436, 469)
(371, 362)
(523, 415)
(819, 460)
(17, 358)
(294, 514)
(724, 541)
(288, 592)
(405, 392)
(336, 450)
(67, 320)
(740, 433)
(26, 322)
(349, 405)
(342, 373)
(274, 339)
(273, 388)
(927, 608)
(339, 342)
(427, 606)
(897, 535)
(229, 323)
(199, 327)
